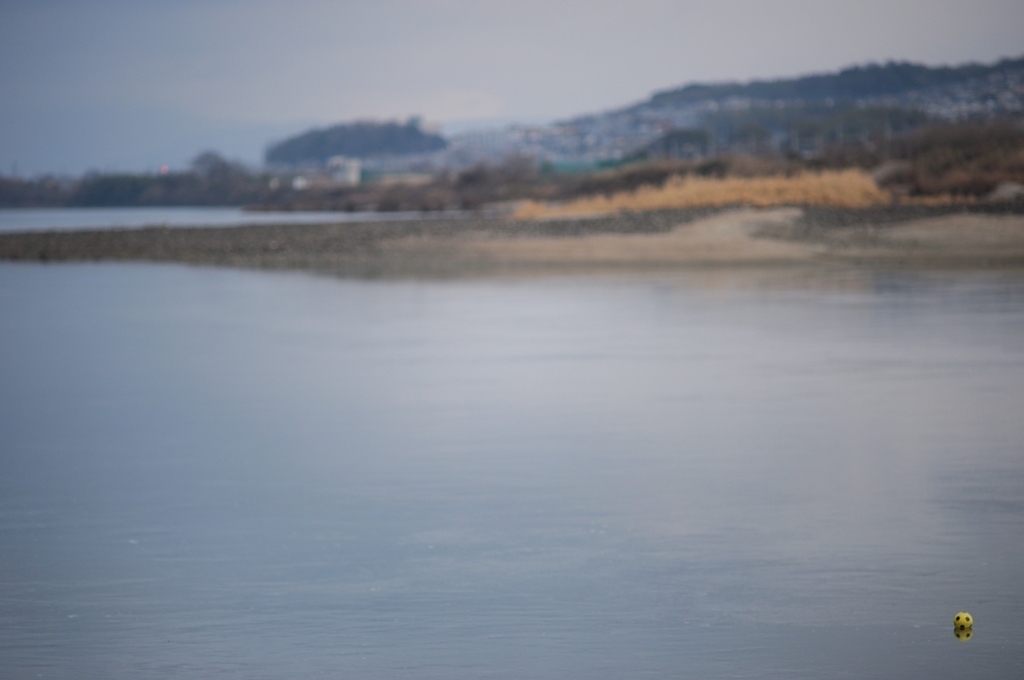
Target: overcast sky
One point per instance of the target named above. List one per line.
(132, 85)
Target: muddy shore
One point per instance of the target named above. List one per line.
(899, 235)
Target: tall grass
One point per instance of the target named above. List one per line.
(846, 188)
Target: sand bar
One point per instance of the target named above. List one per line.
(906, 236)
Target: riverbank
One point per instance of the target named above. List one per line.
(890, 235)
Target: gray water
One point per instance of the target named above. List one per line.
(72, 219)
(209, 473)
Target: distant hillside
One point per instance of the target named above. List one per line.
(872, 80)
(360, 140)
(864, 106)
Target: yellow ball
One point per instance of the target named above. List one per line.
(963, 621)
(963, 635)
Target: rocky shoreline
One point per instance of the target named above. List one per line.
(903, 235)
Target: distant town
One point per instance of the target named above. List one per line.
(796, 115)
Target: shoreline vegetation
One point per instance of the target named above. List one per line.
(839, 189)
(941, 163)
(947, 195)
(880, 234)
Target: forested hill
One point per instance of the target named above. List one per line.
(358, 140)
(857, 82)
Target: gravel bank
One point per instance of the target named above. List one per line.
(979, 235)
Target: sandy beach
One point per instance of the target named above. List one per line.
(895, 235)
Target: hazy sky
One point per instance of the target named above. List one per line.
(131, 85)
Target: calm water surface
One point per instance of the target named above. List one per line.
(208, 473)
(70, 219)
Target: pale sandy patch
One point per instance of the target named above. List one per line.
(729, 237)
(996, 235)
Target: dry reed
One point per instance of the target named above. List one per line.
(846, 189)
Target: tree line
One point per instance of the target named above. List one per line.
(211, 180)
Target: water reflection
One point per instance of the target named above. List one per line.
(262, 475)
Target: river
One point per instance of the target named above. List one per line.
(72, 219)
(208, 473)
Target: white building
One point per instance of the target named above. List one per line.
(345, 170)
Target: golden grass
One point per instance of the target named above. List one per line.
(846, 189)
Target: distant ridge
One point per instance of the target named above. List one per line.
(872, 80)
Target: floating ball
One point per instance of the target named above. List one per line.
(963, 621)
(963, 635)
